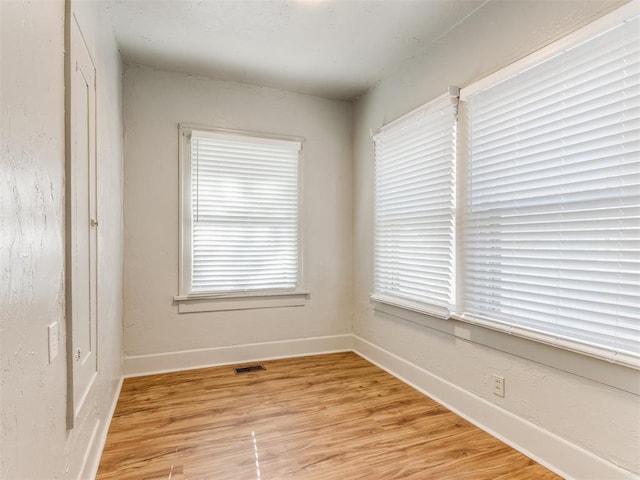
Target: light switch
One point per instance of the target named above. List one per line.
(53, 341)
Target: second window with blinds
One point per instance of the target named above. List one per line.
(415, 209)
(240, 220)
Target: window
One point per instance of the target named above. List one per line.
(553, 199)
(548, 198)
(240, 215)
(414, 218)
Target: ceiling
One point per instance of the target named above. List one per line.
(330, 48)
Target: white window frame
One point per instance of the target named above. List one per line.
(190, 302)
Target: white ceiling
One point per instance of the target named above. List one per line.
(331, 48)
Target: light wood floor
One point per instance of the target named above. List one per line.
(334, 417)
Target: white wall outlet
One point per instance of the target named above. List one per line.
(53, 341)
(498, 385)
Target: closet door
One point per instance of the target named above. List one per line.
(82, 224)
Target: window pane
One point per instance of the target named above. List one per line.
(415, 165)
(244, 214)
(553, 201)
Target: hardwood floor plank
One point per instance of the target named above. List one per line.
(322, 417)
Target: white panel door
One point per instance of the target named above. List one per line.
(82, 209)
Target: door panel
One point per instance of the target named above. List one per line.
(82, 235)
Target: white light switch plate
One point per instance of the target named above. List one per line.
(53, 341)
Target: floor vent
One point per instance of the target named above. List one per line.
(250, 368)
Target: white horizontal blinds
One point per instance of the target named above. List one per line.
(552, 229)
(414, 217)
(245, 213)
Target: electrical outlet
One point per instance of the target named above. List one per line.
(53, 341)
(498, 385)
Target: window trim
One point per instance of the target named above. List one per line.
(189, 302)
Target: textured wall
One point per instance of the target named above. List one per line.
(600, 418)
(155, 102)
(34, 440)
(32, 402)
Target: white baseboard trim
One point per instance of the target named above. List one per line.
(557, 454)
(91, 461)
(138, 365)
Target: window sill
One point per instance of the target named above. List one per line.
(243, 301)
(607, 371)
(383, 301)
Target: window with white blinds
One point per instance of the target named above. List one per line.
(536, 231)
(552, 217)
(241, 207)
(414, 209)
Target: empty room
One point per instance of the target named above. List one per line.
(319, 239)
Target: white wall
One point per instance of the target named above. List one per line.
(34, 440)
(155, 102)
(552, 391)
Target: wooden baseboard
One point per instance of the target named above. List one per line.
(137, 365)
(557, 454)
